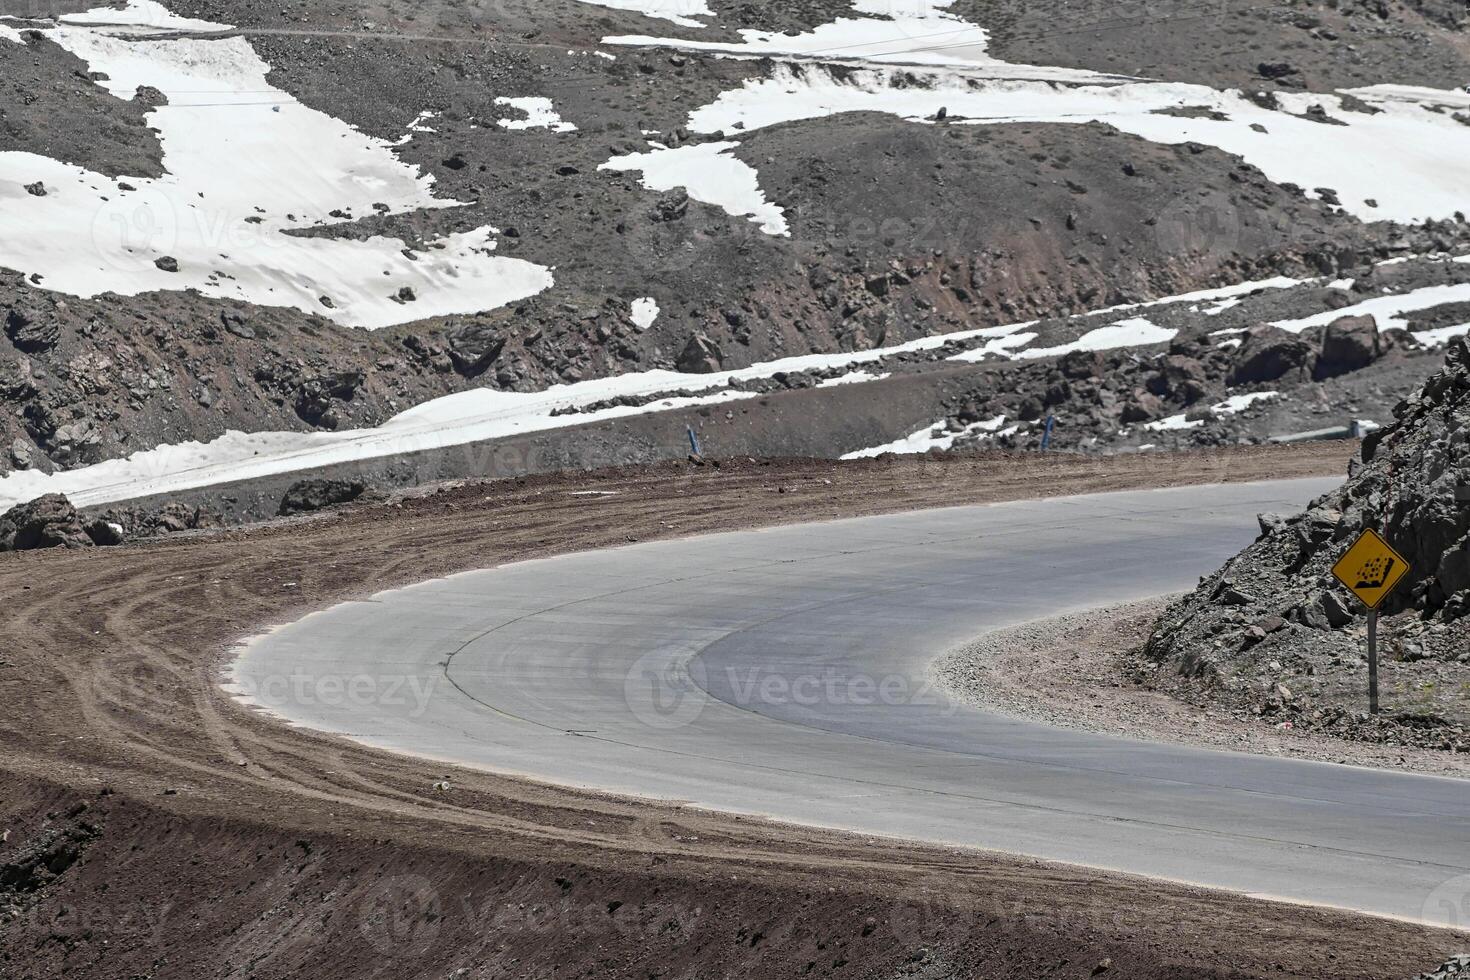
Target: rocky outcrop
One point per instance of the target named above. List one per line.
(1454, 968)
(1275, 609)
(309, 495)
(31, 328)
(147, 522)
(49, 521)
(317, 398)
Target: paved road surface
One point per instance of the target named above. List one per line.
(783, 672)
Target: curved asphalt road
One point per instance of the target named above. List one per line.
(783, 672)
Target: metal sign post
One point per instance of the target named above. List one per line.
(1373, 661)
(1370, 569)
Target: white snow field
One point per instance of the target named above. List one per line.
(539, 114)
(484, 414)
(1133, 332)
(708, 172)
(934, 436)
(1388, 312)
(681, 12)
(1408, 161)
(244, 164)
(1230, 406)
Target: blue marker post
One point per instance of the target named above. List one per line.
(693, 441)
(1051, 421)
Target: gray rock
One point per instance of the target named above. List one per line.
(49, 521)
(75, 441)
(474, 347)
(670, 207)
(316, 397)
(315, 494)
(700, 356)
(20, 454)
(1336, 609)
(1142, 406)
(1269, 353)
(1349, 344)
(30, 328)
(104, 533)
(1455, 968)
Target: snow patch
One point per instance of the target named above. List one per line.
(935, 436)
(540, 114)
(1223, 305)
(1386, 311)
(1440, 336)
(417, 126)
(644, 311)
(245, 163)
(1230, 406)
(949, 42)
(1134, 332)
(1413, 162)
(455, 420)
(710, 174)
(851, 378)
(681, 12)
(1004, 346)
(1413, 94)
(141, 14)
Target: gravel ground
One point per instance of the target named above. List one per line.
(152, 827)
(1080, 669)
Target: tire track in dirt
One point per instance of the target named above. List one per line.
(123, 648)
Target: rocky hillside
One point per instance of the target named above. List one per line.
(445, 198)
(1274, 632)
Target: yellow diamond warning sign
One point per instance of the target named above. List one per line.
(1370, 569)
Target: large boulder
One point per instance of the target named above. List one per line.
(1081, 364)
(474, 347)
(1268, 354)
(46, 522)
(1141, 406)
(32, 328)
(1180, 377)
(701, 356)
(1348, 344)
(315, 494)
(316, 397)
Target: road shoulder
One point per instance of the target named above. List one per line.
(1082, 670)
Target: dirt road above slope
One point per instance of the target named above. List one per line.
(153, 828)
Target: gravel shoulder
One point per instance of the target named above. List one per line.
(155, 828)
(1082, 670)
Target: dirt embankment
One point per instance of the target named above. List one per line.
(156, 829)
